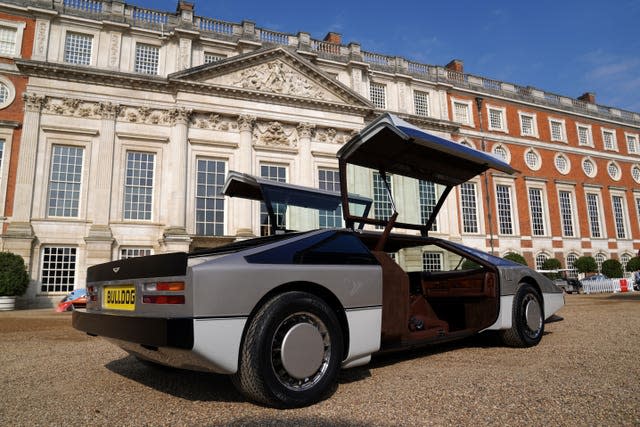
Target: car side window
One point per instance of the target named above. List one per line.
(341, 249)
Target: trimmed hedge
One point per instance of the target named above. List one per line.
(512, 256)
(14, 278)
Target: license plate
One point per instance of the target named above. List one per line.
(119, 297)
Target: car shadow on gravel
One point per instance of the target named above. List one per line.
(189, 385)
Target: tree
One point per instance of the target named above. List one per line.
(552, 264)
(633, 264)
(14, 278)
(512, 256)
(612, 268)
(586, 264)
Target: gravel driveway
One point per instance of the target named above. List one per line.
(586, 371)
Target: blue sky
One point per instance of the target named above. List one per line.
(565, 47)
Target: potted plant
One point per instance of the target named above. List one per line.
(14, 279)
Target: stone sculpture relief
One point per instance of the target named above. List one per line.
(275, 134)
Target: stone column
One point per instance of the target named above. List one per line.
(19, 237)
(243, 208)
(175, 235)
(305, 169)
(100, 240)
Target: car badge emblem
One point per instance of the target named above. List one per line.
(116, 269)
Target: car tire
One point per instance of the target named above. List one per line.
(527, 323)
(291, 352)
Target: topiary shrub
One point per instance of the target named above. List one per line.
(14, 278)
(467, 264)
(612, 268)
(633, 264)
(512, 256)
(552, 264)
(586, 264)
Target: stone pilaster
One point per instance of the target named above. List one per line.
(41, 39)
(244, 216)
(305, 169)
(175, 235)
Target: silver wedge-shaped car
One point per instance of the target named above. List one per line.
(283, 313)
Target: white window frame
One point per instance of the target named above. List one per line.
(477, 206)
(539, 256)
(513, 212)
(425, 101)
(152, 43)
(635, 168)
(11, 95)
(329, 215)
(69, 286)
(563, 129)
(95, 43)
(81, 183)
(534, 124)
(144, 251)
(497, 146)
(587, 128)
(439, 256)
(469, 120)
(614, 141)
(566, 158)
(19, 28)
(379, 99)
(600, 223)
(195, 195)
(538, 163)
(383, 202)
(572, 210)
(600, 258)
(503, 118)
(70, 32)
(618, 175)
(593, 163)
(423, 206)
(625, 216)
(633, 144)
(543, 207)
(206, 54)
(287, 173)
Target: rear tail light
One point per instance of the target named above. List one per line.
(163, 299)
(164, 287)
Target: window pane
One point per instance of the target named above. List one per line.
(431, 261)
(7, 41)
(382, 207)
(469, 209)
(209, 199)
(537, 213)
(421, 103)
(64, 181)
(618, 215)
(77, 48)
(505, 223)
(593, 207)
(566, 213)
(138, 189)
(427, 202)
(329, 179)
(279, 174)
(146, 59)
(58, 269)
(378, 95)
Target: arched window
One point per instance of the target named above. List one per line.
(540, 259)
(571, 259)
(599, 260)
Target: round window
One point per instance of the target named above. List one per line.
(501, 152)
(532, 159)
(614, 171)
(562, 164)
(7, 93)
(635, 173)
(589, 168)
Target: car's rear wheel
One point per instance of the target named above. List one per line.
(527, 323)
(291, 352)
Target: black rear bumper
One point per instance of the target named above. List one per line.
(151, 331)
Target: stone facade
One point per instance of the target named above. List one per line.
(140, 108)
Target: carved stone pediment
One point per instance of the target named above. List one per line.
(274, 72)
(275, 77)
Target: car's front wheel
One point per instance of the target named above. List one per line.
(291, 352)
(527, 323)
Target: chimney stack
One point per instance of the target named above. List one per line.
(332, 37)
(455, 65)
(589, 97)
